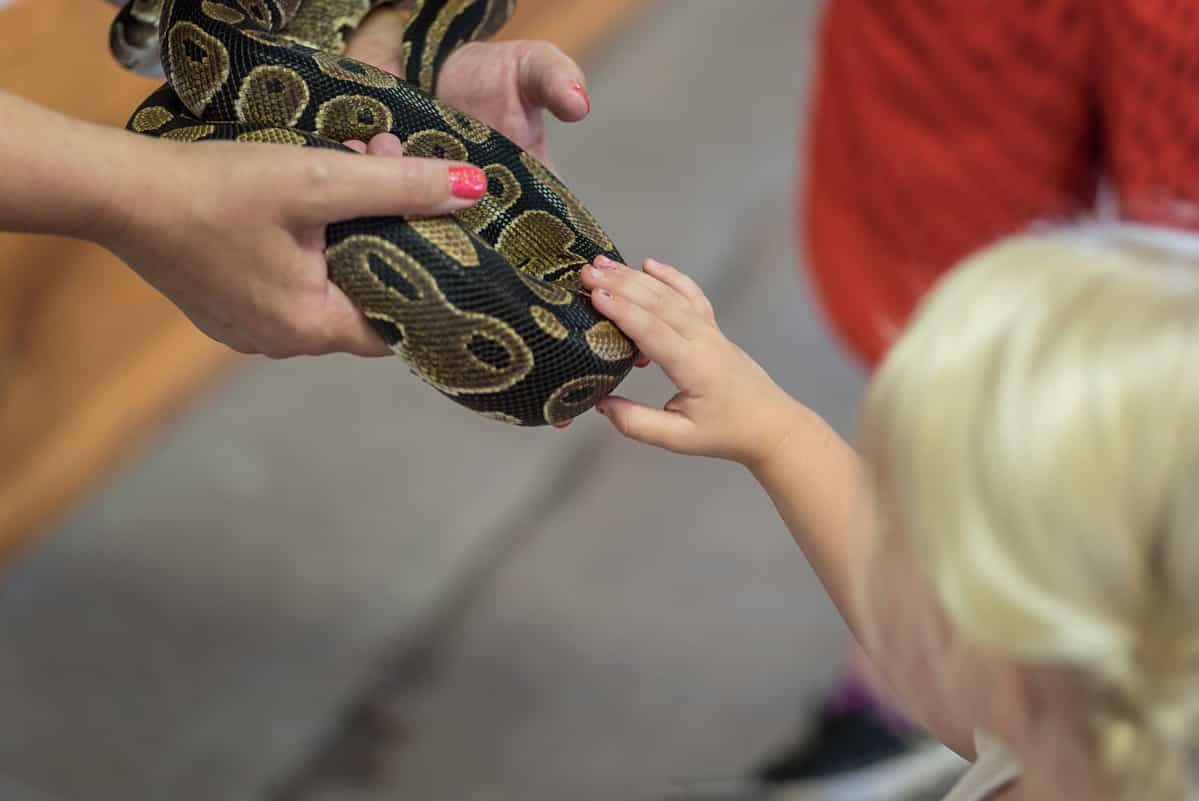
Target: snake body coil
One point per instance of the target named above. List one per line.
(486, 304)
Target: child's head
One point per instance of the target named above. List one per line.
(1033, 444)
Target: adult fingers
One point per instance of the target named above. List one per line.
(548, 78)
(385, 144)
(343, 329)
(325, 187)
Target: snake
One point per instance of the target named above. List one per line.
(485, 304)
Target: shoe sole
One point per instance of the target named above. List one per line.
(928, 768)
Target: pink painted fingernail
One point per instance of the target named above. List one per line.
(604, 263)
(467, 182)
(578, 87)
(563, 424)
(595, 273)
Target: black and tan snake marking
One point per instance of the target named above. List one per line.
(486, 304)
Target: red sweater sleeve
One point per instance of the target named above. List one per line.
(1149, 88)
(937, 126)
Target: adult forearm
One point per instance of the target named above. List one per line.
(60, 175)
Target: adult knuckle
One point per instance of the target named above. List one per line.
(294, 331)
(312, 339)
(425, 182)
(317, 173)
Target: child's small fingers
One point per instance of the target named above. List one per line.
(681, 283)
(653, 337)
(663, 429)
(646, 291)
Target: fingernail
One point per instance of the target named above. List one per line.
(604, 263)
(602, 410)
(642, 361)
(563, 424)
(578, 87)
(605, 294)
(595, 273)
(467, 182)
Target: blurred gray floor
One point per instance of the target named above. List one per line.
(328, 583)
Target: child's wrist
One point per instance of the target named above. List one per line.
(790, 427)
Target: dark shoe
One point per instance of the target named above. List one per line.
(850, 755)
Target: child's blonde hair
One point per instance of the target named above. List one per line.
(1035, 436)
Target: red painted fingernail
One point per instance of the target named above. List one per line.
(578, 87)
(602, 410)
(643, 361)
(563, 424)
(468, 182)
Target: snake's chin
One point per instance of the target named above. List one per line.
(142, 57)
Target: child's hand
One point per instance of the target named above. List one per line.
(727, 406)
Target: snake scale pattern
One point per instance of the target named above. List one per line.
(484, 305)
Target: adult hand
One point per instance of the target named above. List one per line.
(236, 236)
(504, 84)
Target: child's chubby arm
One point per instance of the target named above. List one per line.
(728, 407)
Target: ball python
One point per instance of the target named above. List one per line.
(486, 304)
